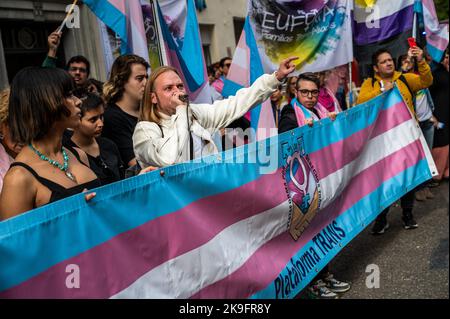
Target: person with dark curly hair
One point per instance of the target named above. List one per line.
(123, 93)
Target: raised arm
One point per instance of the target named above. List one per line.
(425, 77)
(53, 40)
(223, 112)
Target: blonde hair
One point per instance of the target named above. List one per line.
(148, 111)
(4, 105)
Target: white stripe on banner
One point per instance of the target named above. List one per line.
(385, 8)
(226, 253)
(380, 147)
(240, 58)
(437, 34)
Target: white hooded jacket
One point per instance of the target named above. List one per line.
(168, 143)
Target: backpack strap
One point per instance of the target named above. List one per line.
(403, 79)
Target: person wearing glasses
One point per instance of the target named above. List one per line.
(224, 67)
(304, 108)
(78, 66)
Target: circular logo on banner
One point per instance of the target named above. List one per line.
(303, 186)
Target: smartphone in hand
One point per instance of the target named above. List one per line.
(412, 42)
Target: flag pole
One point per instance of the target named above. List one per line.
(162, 47)
(61, 26)
(350, 86)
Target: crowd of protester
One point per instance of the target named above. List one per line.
(63, 133)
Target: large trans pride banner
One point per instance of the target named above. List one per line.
(318, 32)
(256, 222)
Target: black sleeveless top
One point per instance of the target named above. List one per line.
(58, 191)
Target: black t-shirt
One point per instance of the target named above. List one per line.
(119, 128)
(108, 167)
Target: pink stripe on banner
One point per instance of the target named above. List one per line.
(266, 122)
(269, 260)
(433, 28)
(137, 19)
(242, 43)
(342, 152)
(114, 265)
(436, 40)
(239, 75)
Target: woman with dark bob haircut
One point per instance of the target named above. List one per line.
(42, 106)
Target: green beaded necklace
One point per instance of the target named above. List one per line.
(64, 167)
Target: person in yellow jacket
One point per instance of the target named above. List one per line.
(385, 77)
(409, 84)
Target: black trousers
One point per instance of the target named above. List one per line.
(406, 203)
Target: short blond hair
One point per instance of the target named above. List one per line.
(4, 105)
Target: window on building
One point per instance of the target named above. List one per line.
(206, 31)
(207, 54)
(238, 24)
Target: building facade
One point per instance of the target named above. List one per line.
(221, 24)
(25, 26)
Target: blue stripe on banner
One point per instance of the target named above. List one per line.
(146, 197)
(435, 53)
(192, 45)
(149, 191)
(360, 116)
(353, 221)
(230, 88)
(113, 18)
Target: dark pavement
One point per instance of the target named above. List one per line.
(412, 263)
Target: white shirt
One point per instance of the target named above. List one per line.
(152, 148)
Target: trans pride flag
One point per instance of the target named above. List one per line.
(183, 47)
(242, 224)
(246, 67)
(436, 33)
(125, 19)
